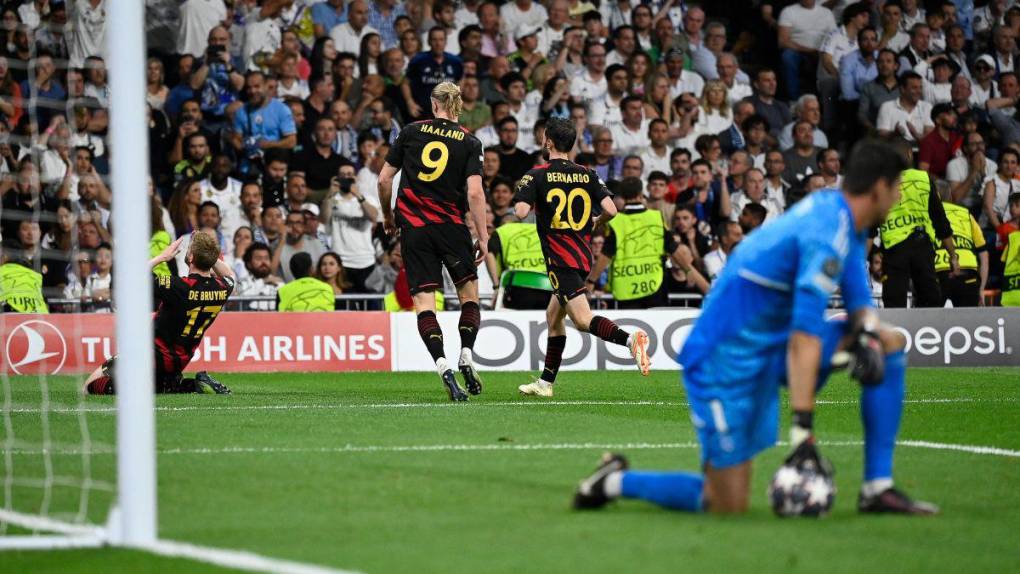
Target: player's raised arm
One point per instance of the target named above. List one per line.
(169, 253)
(223, 270)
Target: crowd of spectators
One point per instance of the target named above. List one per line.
(269, 120)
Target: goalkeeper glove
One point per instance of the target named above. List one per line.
(805, 453)
(867, 362)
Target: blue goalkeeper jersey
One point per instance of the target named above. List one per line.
(776, 281)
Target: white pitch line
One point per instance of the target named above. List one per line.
(238, 559)
(343, 449)
(537, 403)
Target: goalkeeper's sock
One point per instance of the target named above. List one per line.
(553, 357)
(431, 334)
(607, 330)
(871, 488)
(673, 490)
(470, 319)
(881, 410)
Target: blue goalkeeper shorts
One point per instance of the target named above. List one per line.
(737, 419)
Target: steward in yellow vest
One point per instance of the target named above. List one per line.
(21, 289)
(515, 246)
(636, 245)
(963, 289)
(913, 226)
(1011, 273)
(304, 293)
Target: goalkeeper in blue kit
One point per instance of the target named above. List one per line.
(763, 325)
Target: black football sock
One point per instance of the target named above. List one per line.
(607, 330)
(101, 386)
(553, 357)
(431, 334)
(470, 318)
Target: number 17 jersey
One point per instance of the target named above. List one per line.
(566, 197)
(436, 157)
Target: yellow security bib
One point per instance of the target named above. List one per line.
(964, 230)
(521, 247)
(306, 294)
(21, 289)
(1011, 274)
(392, 305)
(160, 241)
(910, 212)
(637, 267)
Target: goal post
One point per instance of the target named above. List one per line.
(131, 520)
(134, 521)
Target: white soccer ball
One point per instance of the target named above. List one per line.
(801, 491)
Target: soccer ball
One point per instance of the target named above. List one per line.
(802, 490)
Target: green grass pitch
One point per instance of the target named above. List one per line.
(378, 473)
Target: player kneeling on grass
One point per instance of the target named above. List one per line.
(187, 307)
(563, 194)
(764, 324)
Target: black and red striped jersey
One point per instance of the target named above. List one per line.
(566, 199)
(436, 157)
(187, 307)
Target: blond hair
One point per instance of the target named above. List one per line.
(447, 95)
(204, 250)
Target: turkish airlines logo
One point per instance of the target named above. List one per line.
(34, 348)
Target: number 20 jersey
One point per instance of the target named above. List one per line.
(436, 157)
(566, 199)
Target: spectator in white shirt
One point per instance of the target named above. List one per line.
(259, 281)
(198, 17)
(891, 36)
(550, 37)
(624, 45)
(809, 110)
(754, 192)
(288, 83)
(350, 217)
(730, 234)
(225, 192)
(728, 68)
(606, 110)
(908, 115)
(656, 156)
(347, 36)
(681, 80)
(590, 84)
(514, 14)
(838, 43)
(631, 136)
(714, 114)
(912, 14)
(88, 31)
(802, 27)
(968, 172)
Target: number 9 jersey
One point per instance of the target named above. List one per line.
(566, 199)
(436, 157)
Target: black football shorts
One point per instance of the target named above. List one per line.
(567, 283)
(427, 249)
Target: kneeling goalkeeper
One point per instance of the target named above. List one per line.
(763, 325)
(187, 307)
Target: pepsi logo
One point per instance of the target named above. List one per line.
(35, 347)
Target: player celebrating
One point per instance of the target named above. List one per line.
(187, 306)
(764, 323)
(563, 194)
(440, 161)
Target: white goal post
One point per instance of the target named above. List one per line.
(132, 521)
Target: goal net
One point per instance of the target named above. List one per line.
(75, 471)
